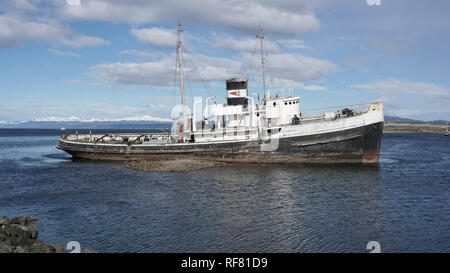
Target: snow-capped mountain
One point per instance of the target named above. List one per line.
(74, 122)
(77, 119)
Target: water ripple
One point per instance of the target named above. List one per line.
(402, 203)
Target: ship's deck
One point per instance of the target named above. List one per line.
(207, 134)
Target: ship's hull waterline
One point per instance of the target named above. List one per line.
(355, 145)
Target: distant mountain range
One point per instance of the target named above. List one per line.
(143, 122)
(399, 119)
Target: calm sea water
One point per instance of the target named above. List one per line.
(404, 203)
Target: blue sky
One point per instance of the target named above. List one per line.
(114, 59)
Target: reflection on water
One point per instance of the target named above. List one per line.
(402, 203)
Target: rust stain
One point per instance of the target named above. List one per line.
(228, 158)
(371, 157)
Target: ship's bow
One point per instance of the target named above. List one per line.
(373, 133)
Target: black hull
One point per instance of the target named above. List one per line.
(356, 145)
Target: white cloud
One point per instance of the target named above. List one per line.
(84, 83)
(77, 41)
(296, 67)
(314, 88)
(19, 5)
(296, 44)
(216, 68)
(419, 100)
(285, 84)
(289, 70)
(249, 45)
(14, 31)
(73, 2)
(278, 17)
(140, 54)
(63, 53)
(82, 112)
(159, 73)
(395, 87)
(158, 37)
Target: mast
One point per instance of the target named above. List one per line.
(180, 66)
(261, 37)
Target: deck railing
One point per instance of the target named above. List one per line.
(321, 112)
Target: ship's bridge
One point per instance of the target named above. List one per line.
(281, 111)
(240, 109)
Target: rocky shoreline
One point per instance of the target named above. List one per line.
(20, 235)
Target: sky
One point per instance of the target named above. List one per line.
(114, 59)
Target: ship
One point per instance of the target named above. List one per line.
(245, 129)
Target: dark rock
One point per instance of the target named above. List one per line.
(21, 249)
(4, 248)
(24, 229)
(42, 249)
(18, 221)
(60, 248)
(30, 220)
(38, 242)
(16, 235)
(33, 230)
(19, 235)
(4, 220)
(3, 237)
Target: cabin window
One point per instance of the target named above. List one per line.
(274, 104)
(290, 102)
(285, 103)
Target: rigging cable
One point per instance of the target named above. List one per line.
(200, 77)
(188, 79)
